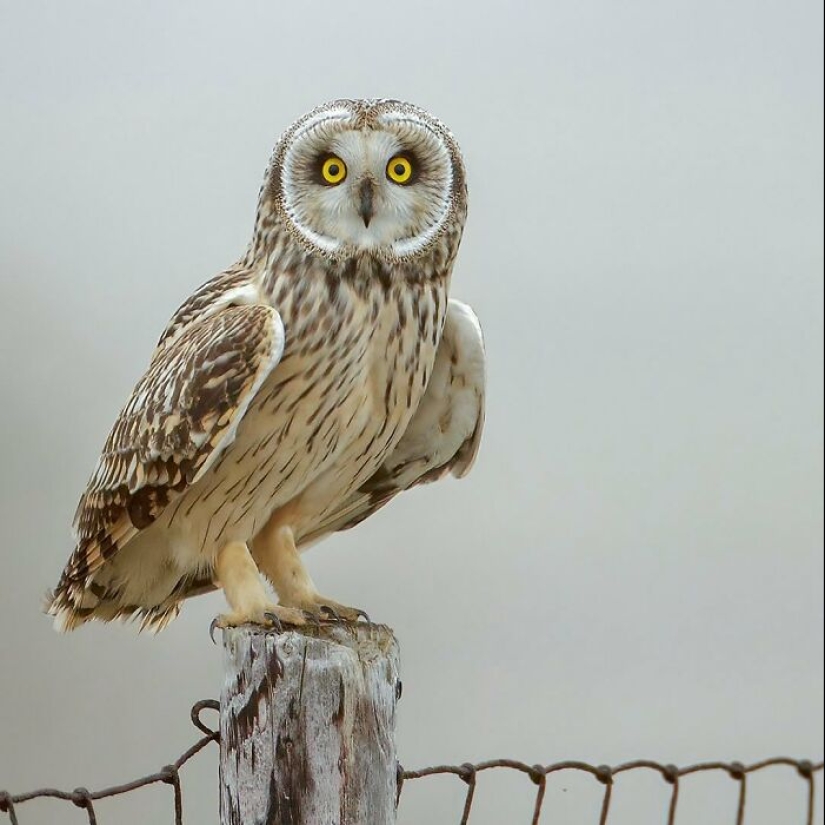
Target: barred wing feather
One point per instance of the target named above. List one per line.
(182, 414)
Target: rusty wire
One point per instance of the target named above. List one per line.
(606, 775)
(467, 773)
(82, 798)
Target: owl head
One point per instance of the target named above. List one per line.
(374, 177)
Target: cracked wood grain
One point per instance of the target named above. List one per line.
(307, 726)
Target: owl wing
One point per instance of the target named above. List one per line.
(444, 434)
(181, 416)
(234, 287)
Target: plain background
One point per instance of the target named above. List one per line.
(635, 566)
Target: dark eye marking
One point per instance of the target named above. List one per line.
(398, 167)
(329, 161)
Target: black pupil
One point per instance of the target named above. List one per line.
(334, 169)
(400, 169)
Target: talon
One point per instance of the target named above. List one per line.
(276, 622)
(362, 614)
(333, 614)
(213, 627)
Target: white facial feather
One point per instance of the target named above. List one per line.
(406, 217)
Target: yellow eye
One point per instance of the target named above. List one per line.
(333, 170)
(399, 170)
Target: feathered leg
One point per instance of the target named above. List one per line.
(279, 560)
(238, 575)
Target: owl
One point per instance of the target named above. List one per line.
(297, 392)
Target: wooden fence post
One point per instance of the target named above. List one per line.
(307, 726)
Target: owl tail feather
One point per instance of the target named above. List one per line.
(74, 606)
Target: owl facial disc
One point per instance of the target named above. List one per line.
(377, 177)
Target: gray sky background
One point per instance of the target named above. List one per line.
(635, 566)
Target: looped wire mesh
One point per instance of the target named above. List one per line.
(82, 798)
(468, 773)
(607, 776)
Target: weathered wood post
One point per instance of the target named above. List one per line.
(307, 726)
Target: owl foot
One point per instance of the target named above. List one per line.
(273, 616)
(280, 561)
(237, 573)
(319, 609)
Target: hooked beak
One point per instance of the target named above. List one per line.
(366, 190)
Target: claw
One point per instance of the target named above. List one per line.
(213, 627)
(276, 622)
(362, 614)
(333, 614)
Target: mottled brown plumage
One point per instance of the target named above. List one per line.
(297, 392)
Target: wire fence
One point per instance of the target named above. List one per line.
(467, 773)
(168, 775)
(606, 776)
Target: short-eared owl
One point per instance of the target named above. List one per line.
(296, 393)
